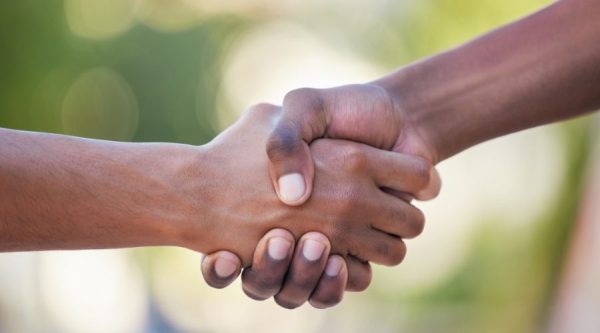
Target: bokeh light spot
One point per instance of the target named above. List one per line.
(168, 16)
(100, 104)
(93, 291)
(280, 56)
(99, 19)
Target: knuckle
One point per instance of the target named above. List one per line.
(306, 106)
(301, 95)
(283, 142)
(262, 285)
(303, 281)
(261, 110)
(351, 206)
(349, 201)
(266, 284)
(339, 230)
(354, 158)
(409, 222)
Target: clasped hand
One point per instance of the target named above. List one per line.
(352, 203)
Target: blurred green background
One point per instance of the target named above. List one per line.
(182, 70)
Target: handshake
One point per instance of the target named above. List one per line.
(305, 195)
(302, 196)
(345, 164)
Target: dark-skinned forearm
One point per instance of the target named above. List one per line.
(60, 192)
(541, 69)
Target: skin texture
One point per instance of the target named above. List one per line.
(541, 69)
(348, 204)
(61, 192)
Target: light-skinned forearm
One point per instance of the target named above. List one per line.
(60, 192)
(541, 69)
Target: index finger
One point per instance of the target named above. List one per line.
(403, 173)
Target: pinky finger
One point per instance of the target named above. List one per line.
(359, 274)
(220, 269)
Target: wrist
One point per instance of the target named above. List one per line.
(442, 100)
(200, 220)
(172, 178)
(217, 216)
(496, 85)
(411, 102)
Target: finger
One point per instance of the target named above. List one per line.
(220, 269)
(332, 284)
(382, 248)
(400, 195)
(402, 173)
(397, 217)
(434, 187)
(261, 114)
(291, 166)
(359, 274)
(307, 267)
(271, 260)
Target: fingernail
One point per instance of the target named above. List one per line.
(291, 187)
(312, 250)
(333, 268)
(279, 248)
(224, 268)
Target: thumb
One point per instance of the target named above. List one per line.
(220, 269)
(290, 166)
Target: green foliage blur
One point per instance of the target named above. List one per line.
(173, 75)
